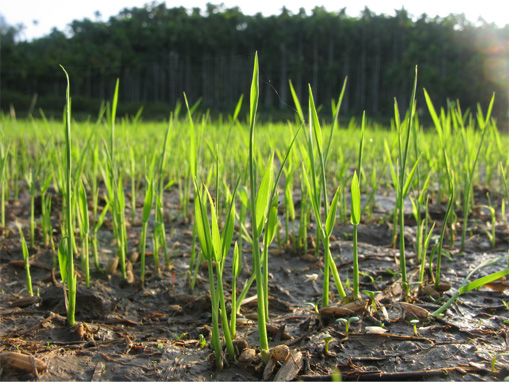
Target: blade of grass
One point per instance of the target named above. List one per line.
(465, 285)
(69, 271)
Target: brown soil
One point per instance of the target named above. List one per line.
(130, 332)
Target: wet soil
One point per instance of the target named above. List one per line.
(129, 332)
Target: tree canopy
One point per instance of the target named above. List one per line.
(159, 52)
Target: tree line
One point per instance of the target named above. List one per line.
(159, 52)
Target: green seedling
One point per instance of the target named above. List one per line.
(394, 177)
(394, 274)
(470, 161)
(356, 212)
(427, 234)
(132, 175)
(260, 203)
(194, 261)
(414, 324)
(158, 190)
(422, 225)
(336, 375)
(444, 224)
(65, 248)
(493, 358)
(179, 337)
(94, 188)
(372, 295)
(99, 222)
(466, 286)
(31, 187)
(203, 341)
(373, 280)
(4, 154)
(355, 219)
(327, 339)
(47, 229)
(404, 181)
(347, 323)
(269, 234)
(215, 246)
(84, 223)
(26, 257)
(244, 204)
(317, 187)
(422, 198)
(315, 306)
(506, 192)
(155, 243)
(192, 169)
(114, 185)
(305, 210)
(493, 215)
(236, 268)
(147, 207)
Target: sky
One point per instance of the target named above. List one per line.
(40, 16)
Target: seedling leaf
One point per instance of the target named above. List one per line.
(216, 236)
(236, 266)
(331, 217)
(297, 103)
(355, 216)
(200, 223)
(263, 196)
(272, 225)
(483, 280)
(409, 178)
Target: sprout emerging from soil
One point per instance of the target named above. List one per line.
(493, 358)
(26, 257)
(414, 324)
(327, 339)
(336, 375)
(347, 323)
(372, 295)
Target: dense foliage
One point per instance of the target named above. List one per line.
(158, 53)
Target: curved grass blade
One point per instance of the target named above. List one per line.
(465, 287)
